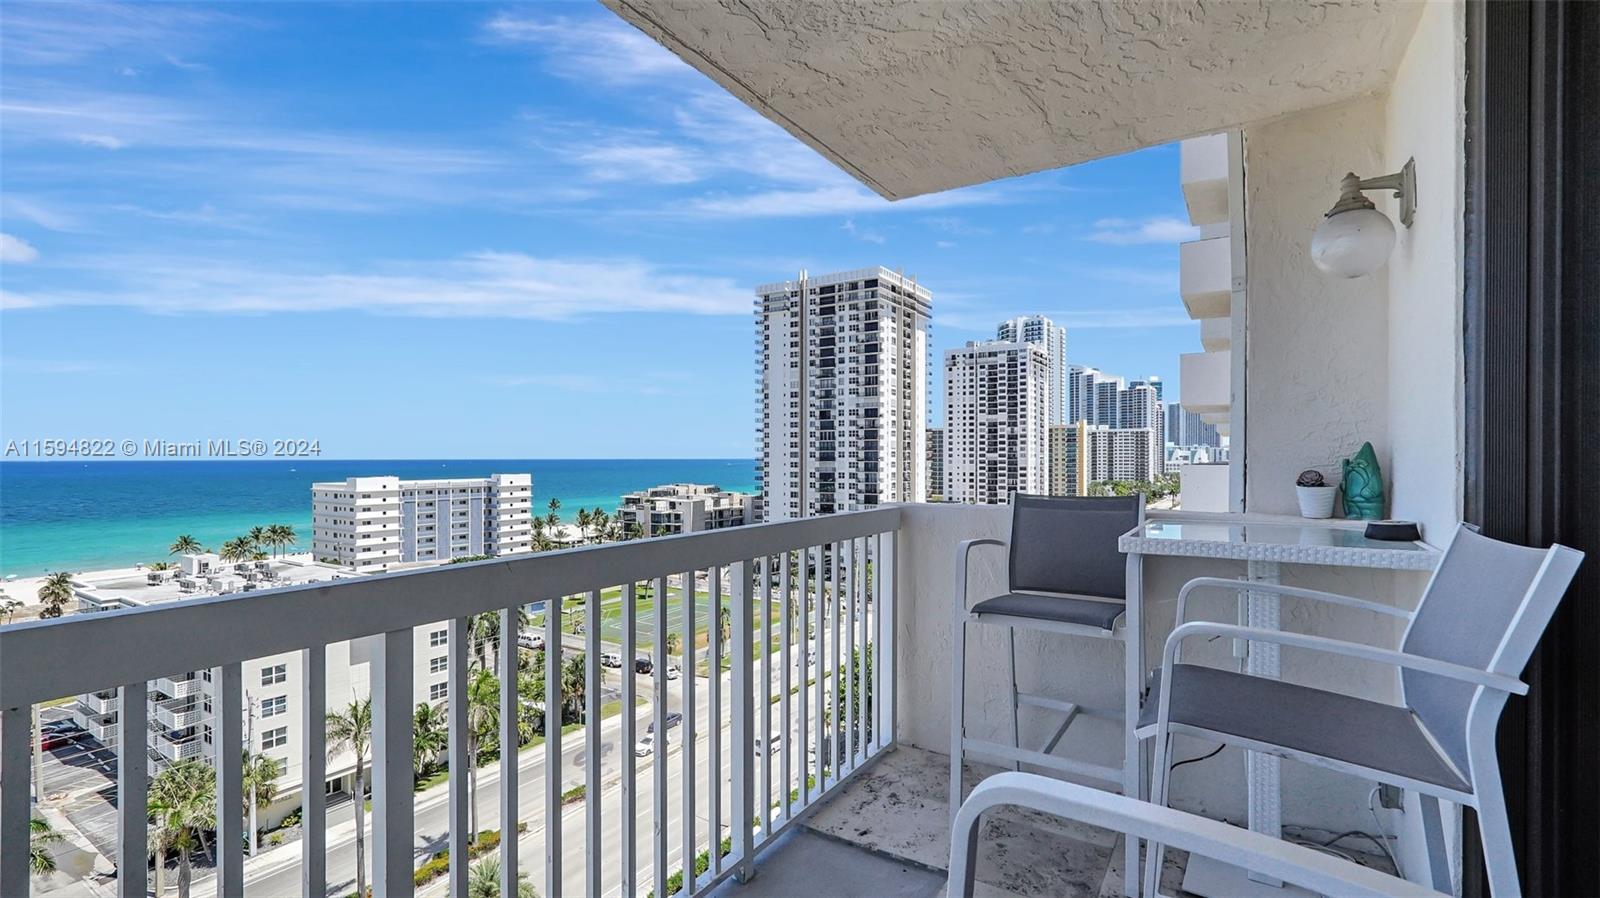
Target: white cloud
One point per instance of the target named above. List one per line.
(14, 205)
(478, 285)
(844, 199)
(862, 234)
(55, 34)
(602, 49)
(101, 140)
(1163, 229)
(15, 250)
(1153, 278)
(661, 164)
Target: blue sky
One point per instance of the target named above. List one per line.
(464, 230)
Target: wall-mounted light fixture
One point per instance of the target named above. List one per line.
(1354, 238)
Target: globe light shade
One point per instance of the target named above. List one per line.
(1352, 243)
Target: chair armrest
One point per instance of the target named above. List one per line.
(1297, 591)
(1360, 650)
(963, 561)
(1314, 870)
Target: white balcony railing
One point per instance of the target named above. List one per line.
(828, 580)
(180, 686)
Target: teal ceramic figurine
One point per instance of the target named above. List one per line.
(1363, 486)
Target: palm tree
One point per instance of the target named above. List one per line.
(185, 545)
(9, 607)
(483, 719)
(601, 522)
(572, 683)
(584, 520)
(260, 778)
(428, 736)
(674, 643)
(552, 519)
(281, 536)
(55, 593)
(484, 881)
(351, 729)
(257, 536)
(484, 630)
(236, 549)
(40, 837)
(183, 805)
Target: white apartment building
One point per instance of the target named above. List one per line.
(1092, 395)
(683, 508)
(842, 370)
(180, 709)
(1083, 453)
(1053, 337)
(997, 411)
(373, 523)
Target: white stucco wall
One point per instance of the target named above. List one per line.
(1091, 671)
(1425, 118)
(1318, 347)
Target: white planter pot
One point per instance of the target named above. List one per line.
(1316, 501)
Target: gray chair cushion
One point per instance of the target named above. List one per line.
(1061, 609)
(1067, 545)
(1299, 718)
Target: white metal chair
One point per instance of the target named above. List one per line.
(1065, 575)
(1478, 621)
(1297, 864)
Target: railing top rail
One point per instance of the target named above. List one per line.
(44, 660)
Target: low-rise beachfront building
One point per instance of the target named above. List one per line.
(1083, 453)
(180, 715)
(373, 523)
(683, 508)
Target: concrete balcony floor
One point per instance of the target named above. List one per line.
(888, 834)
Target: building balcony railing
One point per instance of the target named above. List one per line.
(179, 686)
(179, 714)
(828, 580)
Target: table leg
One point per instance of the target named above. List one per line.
(1262, 770)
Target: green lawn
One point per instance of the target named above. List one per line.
(575, 611)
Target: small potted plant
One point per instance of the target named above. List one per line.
(1316, 495)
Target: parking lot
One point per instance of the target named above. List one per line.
(82, 777)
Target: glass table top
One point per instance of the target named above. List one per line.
(1273, 534)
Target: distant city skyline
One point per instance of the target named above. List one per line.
(470, 230)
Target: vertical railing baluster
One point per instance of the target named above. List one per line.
(821, 754)
(714, 610)
(552, 748)
(461, 761)
(859, 672)
(630, 811)
(133, 790)
(891, 621)
(228, 754)
(743, 712)
(765, 698)
(836, 749)
(686, 754)
(803, 718)
(848, 681)
(393, 817)
(510, 630)
(16, 752)
(786, 677)
(593, 882)
(313, 770)
(877, 642)
(658, 743)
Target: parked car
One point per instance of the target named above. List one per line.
(673, 672)
(610, 659)
(643, 665)
(777, 739)
(531, 641)
(58, 738)
(673, 719)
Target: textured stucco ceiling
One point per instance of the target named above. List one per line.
(916, 97)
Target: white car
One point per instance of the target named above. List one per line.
(610, 659)
(533, 642)
(645, 746)
(673, 672)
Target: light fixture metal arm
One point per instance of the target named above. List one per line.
(1402, 182)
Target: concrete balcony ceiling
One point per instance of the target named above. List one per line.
(914, 98)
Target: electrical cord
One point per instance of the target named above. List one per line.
(1214, 752)
(1372, 808)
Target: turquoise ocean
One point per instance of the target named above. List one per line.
(82, 516)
